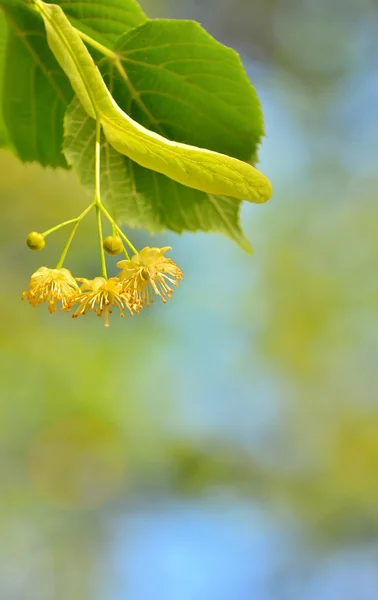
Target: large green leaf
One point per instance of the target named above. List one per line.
(171, 81)
(195, 93)
(195, 167)
(37, 90)
(141, 197)
(183, 83)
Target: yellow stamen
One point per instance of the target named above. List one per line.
(52, 286)
(149, 272)
(99, 294)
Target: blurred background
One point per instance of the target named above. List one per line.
(223, 447)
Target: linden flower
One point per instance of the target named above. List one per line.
(149, 272)
(52, 286)
(100, 294)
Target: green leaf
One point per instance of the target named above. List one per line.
(103, 20)
(4, 138)
(194, 167)
(144, 198)
(37, 89)
(190, 88)
(37, 92)
(173, 81)
(159, 93)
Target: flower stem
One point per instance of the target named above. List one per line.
(110, 54)
(118, 229)
(99, 206)
(66, 247)
(113, 56)
(77, 222)
(46, 233)
(98, 198)
(99, 47)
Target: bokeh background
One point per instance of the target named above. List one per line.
(225, 446)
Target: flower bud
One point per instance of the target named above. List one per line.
(113, 245)
(35, 241)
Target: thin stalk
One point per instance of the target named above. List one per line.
(46, 233)
(99, 47)
(114, 57)
(77, 222)
(115, 233)
(119, 230)
(98, 199)
(104, 272)
(66, 247)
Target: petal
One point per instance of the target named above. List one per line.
(122, 264)
(165, 249)
(87, 284)
(98, 283)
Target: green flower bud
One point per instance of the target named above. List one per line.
(35, 241)
(113, 245)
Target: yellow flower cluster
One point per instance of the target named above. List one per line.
(148, 273)
(52, 286)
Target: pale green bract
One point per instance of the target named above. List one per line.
(194, 167)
